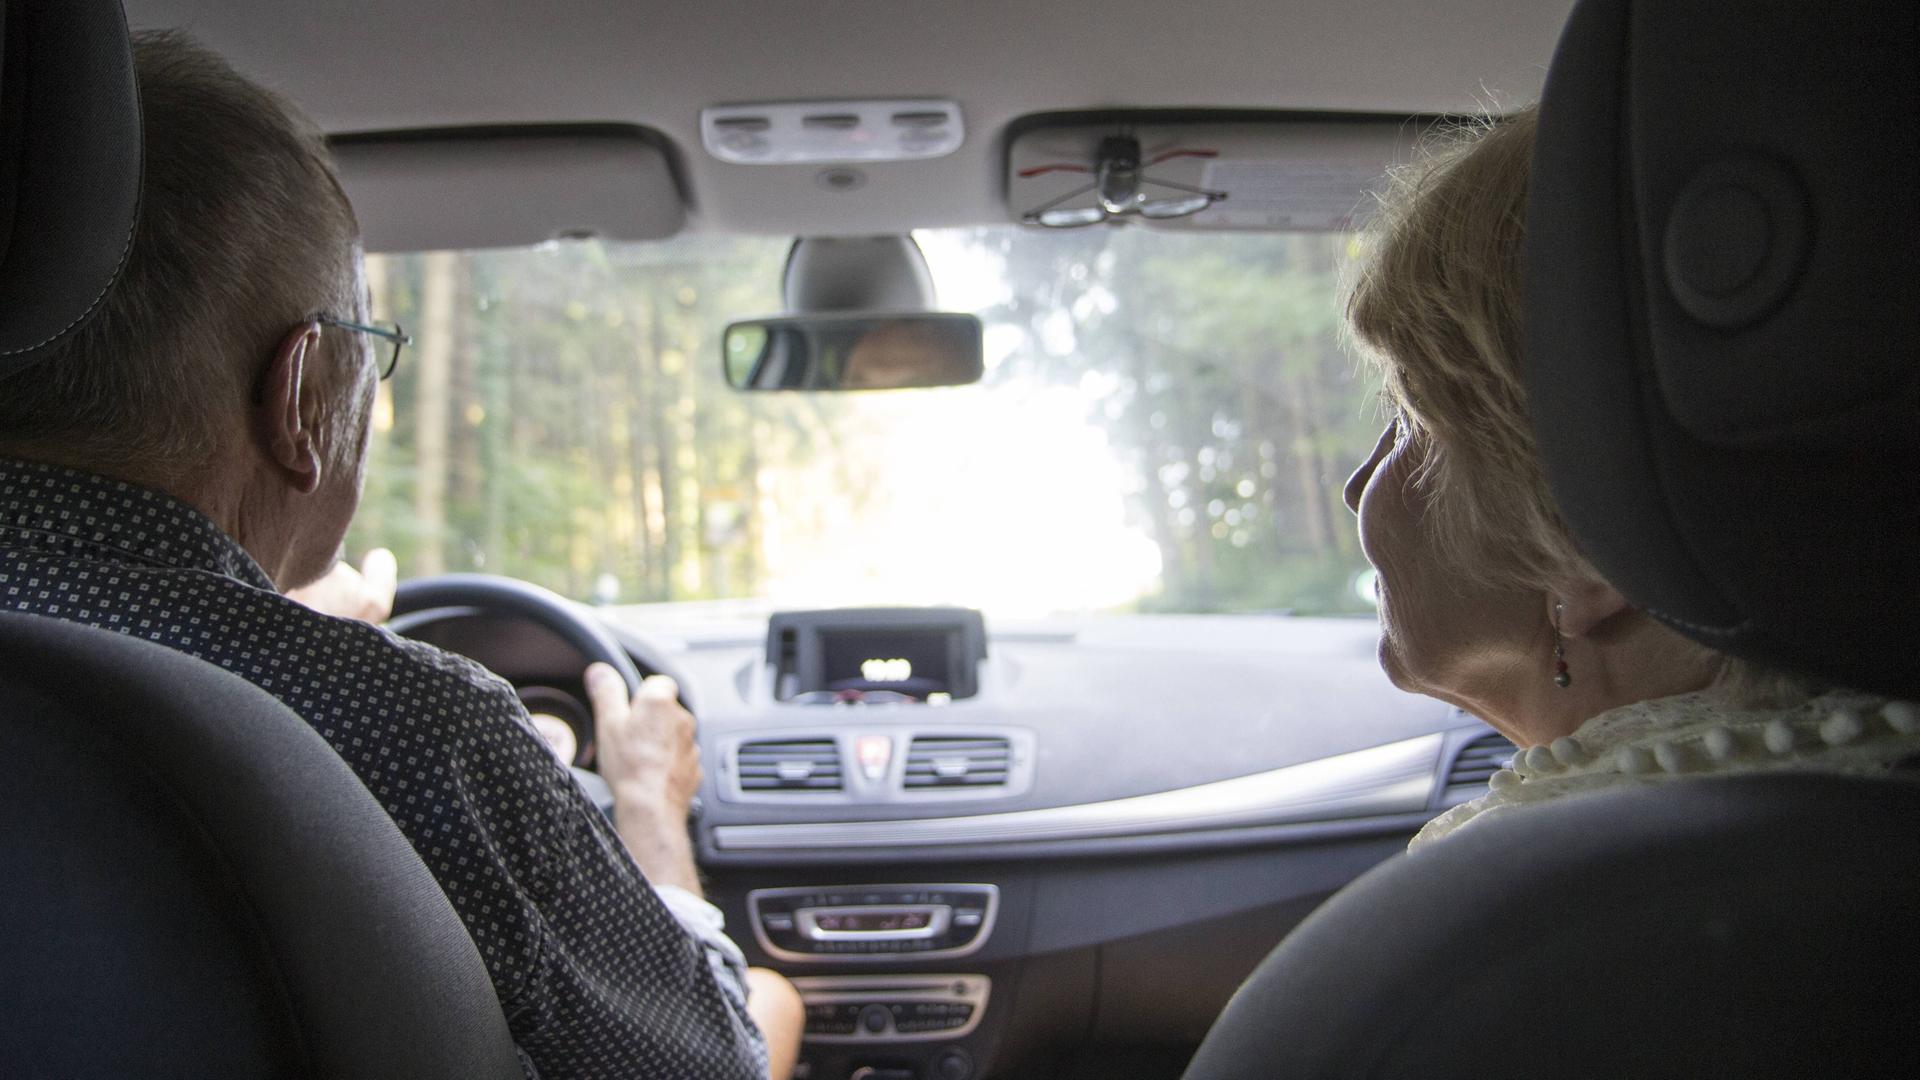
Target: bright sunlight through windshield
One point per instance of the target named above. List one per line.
(1163, 426)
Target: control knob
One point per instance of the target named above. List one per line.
(953, 1065)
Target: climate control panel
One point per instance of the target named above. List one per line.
(873, 922)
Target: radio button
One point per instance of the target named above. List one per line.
(952, 1065)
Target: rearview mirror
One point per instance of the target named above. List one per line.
(853, 352)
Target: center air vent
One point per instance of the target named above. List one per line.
(797, 765)
(943, 761)
(1479, 759)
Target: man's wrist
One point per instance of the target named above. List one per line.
(655, 833)
(649, 797)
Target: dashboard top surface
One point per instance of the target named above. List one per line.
(1116, 706)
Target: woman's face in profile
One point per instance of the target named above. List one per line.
(1439, 634)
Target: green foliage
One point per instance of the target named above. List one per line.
(563, 416)
(1214, 363)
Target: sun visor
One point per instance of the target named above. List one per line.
(428, 191)
(1204, 172)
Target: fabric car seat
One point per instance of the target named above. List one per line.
(1721, 311)
(191, 882)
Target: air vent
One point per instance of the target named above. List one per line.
(1479, 759)
(942, 761)
(796, 765)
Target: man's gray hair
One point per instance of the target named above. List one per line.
(243, 233)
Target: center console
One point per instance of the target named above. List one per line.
(891, 1025)
(892, 1008)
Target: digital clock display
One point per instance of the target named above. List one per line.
(882, 669)
(916, 662)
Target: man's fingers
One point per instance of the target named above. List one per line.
(380, 572)
(607, 691)
(659, 688)
(660, 697)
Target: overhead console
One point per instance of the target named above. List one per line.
(876, 655)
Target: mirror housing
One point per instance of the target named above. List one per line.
(850, 351)
(856, 274)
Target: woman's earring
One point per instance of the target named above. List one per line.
(1561, 678)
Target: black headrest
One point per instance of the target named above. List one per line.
(1722, 316)
(69, 168)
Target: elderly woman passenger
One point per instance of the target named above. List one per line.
(1485, 599)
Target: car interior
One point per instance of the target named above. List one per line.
(988, 832)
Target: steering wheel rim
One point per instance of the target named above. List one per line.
(522, 599)
(420, 601)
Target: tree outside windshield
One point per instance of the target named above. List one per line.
(1164, 426)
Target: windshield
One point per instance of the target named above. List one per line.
(1164, 425)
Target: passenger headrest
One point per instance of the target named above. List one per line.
(70, 158)
(1721, 321)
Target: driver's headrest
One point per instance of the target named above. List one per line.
(1721, 321)
(69, 168)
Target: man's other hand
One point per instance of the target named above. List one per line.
(648, 755)
(365, 594)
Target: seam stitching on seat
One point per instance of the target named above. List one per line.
(125, 250)
(139, 201)
(1734, 630)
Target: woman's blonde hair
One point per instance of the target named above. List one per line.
(1435, 303)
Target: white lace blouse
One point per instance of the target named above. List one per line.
(1698, 734)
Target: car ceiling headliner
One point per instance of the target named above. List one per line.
(377, 65)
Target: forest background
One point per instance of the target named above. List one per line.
(1165, 425)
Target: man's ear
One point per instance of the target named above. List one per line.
(284, 431)
(1588, 607)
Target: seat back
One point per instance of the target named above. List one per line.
(192, 883)
(1744, 927)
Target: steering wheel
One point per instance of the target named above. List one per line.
(421, 601)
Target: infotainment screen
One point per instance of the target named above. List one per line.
(876, 653)
(913, 662)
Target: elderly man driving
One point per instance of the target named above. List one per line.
(198, 449)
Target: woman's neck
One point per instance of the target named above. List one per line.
(1635, 660)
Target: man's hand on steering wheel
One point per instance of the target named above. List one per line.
(647, 749)
(649, 756)
(647, 752)
(365, 594)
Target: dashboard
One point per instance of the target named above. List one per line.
(1034, 848)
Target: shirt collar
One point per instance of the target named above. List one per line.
(54, 509)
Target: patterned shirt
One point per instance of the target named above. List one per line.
(596, 976)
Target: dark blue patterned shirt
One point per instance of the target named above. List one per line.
(596, 976)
